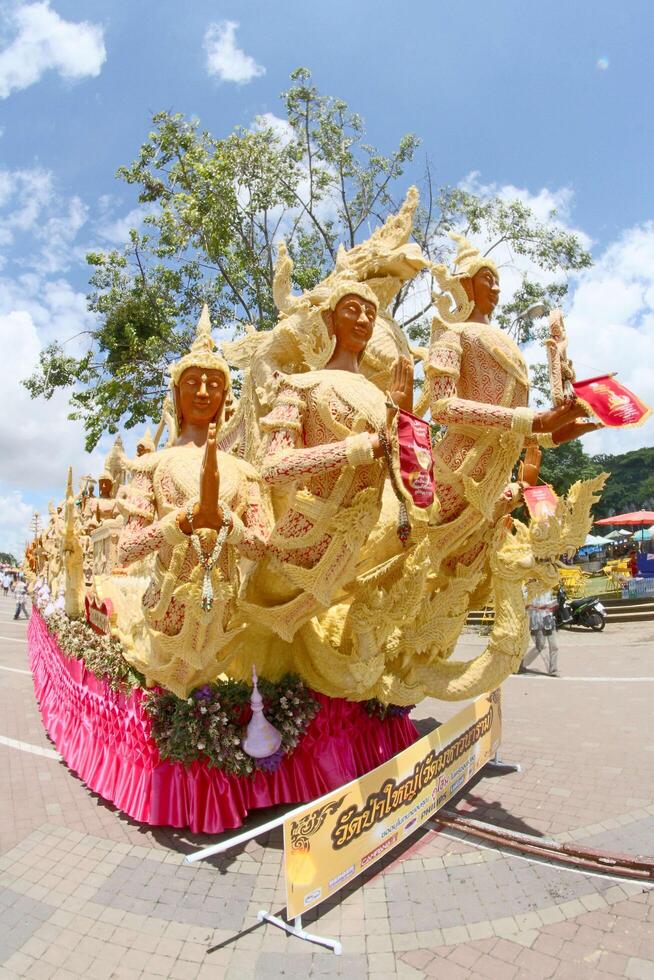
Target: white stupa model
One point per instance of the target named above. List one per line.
(261, 738)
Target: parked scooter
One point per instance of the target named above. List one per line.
(580, 612)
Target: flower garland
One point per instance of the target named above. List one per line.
(210, 724)
(102, 654)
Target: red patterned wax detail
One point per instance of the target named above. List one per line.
(416, 460)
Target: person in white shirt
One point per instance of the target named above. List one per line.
(6, 582)
(542, 626)
(21, 599)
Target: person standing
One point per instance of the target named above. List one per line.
(6, 582)
(542, 626)
(21, 599)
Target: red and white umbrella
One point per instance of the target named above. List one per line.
(637, 518)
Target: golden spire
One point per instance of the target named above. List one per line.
(203, 352)
(468, 259)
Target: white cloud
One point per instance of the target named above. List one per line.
(225, 59)
(610, 325)
(44, 41)
(15, 516)
(37, 442)
(115, 231)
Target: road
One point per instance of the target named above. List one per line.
(88, 893)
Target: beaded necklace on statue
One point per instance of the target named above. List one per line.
(208, 562)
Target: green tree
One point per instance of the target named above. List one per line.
(7, 559)
(631, 486)
(564, 465)
(216, 208)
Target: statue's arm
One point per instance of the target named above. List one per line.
(249, 534)
(443, 371)
(142, 533)
(286, 460)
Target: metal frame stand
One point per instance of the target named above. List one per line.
(297, 930)
(501, 766)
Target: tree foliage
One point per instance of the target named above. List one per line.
(214, 210)
(631, 476)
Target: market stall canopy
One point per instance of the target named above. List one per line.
(644, 535)
(616, 535)
(635, 519)
(596, 539)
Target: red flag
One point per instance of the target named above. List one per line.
(611, 402)
(416, 460)
(541, 501)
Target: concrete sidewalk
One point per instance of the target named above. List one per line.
(86, 892)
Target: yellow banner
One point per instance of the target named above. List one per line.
(335, 838)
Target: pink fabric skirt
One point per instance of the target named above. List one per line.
(105, 738)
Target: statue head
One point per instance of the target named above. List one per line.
(478, 275)
(350, 316)
(474, 284)
(200, 380)
(145, 444)
(106, 484)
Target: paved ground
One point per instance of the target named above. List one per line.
(87, 893)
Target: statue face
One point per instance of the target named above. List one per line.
(201, 394)
(485, 291)
(105, 488)
(352, 322)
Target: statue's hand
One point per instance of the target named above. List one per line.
(555, 418)
(207, 512)
(401, 390)
(573, 430)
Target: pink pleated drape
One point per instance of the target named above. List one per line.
(105, 738)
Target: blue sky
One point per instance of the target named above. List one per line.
(550, 101)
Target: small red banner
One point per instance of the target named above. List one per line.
(98, 614)
(541, 501)
(611, 402)
(416, 460)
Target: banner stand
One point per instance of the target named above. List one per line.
(297, 930)
(436, 766)
(502, 766)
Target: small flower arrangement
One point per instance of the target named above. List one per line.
(207, 725)
(210, 723)
(377, 709)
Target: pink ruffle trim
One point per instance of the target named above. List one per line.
(105, 738)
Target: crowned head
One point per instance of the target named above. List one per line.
(200, 379)
(106, 484)
(145, 444)
(350, 315)
(478, 275)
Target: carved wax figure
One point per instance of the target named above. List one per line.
(480, 390)
(200, 512)
(322, 450)
(384, 262)
(105, 506)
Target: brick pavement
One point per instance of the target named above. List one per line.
(86, 892)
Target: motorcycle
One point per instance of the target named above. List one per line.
(587, 612)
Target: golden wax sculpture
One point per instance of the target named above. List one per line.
(275, 533)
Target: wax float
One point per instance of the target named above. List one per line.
(315, 538)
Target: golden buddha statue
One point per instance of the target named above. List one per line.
(199, 510)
